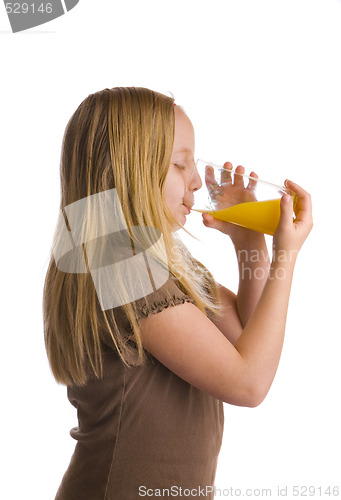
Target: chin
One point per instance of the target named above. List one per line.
(177, 227)
(180, 217)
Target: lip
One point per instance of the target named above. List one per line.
(188, 209)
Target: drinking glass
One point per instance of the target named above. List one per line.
(239, 198)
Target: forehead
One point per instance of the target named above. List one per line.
(181, 119)
(184, 134)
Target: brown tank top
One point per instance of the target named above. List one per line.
(142, 430)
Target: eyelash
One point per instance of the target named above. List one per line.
(180, 166)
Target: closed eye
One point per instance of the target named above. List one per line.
(182, 167)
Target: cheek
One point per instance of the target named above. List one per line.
(173, 190)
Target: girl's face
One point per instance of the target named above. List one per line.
(182, 178)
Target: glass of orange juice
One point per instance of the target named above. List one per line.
(239, 198)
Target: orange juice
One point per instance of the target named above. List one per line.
(261, 216)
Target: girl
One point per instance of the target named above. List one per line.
(149, 372)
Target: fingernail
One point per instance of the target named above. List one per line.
(286, 198)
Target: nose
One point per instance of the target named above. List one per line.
(195, 181)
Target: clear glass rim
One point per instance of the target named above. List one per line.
(255, 179)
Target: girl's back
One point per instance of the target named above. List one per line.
(142, 427)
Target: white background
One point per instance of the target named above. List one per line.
(261, 82)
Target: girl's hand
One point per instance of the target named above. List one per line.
(227, 194)
(291, 234)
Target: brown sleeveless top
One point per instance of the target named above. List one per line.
(142, 430)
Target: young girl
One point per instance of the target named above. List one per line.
(149, 371)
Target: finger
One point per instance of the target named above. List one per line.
(286, 219)
(225, 173)
(209, 177)
(252, 183)
(210, 181)
(207, 219)
(213, 223)
(303, 206)
(238, 176)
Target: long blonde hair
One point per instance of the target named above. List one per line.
(120, 138)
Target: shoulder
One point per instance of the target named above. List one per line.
(169, 294)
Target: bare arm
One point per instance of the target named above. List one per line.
(229, 322)
(253, 265)
(190, 345)
(262, 339)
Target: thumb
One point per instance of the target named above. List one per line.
(287, 208)
(212, 222)
(209, 220)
